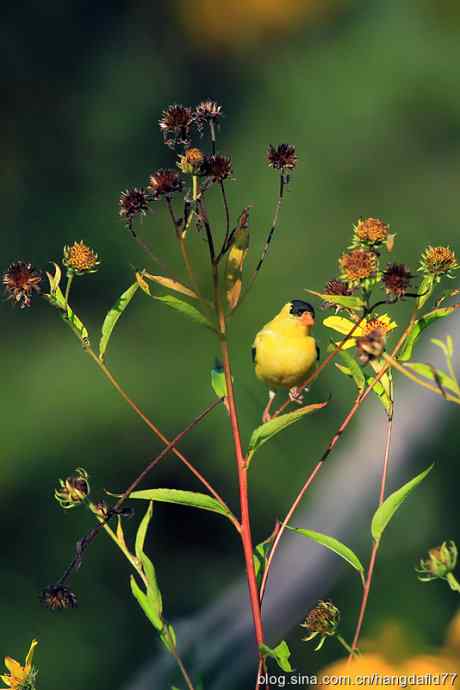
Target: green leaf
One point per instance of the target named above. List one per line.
(280, 654)
(418, 328)
(436, 375)
(348, 301)
(381, 393)
(142, 531)
(218, 383)
(113, 315)
(334, 545)
(385, 512)
(168, 637)
(266, 431)
(148, 604)
(353, 367)
(171, 284)
(186, 309)
(260, 556)
(425, 290)
(184, 498)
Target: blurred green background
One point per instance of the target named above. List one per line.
(368, 92)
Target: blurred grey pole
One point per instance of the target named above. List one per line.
(223, 630)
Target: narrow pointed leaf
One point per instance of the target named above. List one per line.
(171, 284)
(333, 544)
(266, 431)
(184, 308)
(146, 604)
(260, 555)
(281, 654)
(113, 315)
(433, 374)
(348, 301)
(142, 531)
(353, 367)
(425, 290)
(234, 266)
(385, 512)
(57, 299)
(418, 328)
(192, 499)
(380, 392)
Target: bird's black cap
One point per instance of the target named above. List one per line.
(298, 307)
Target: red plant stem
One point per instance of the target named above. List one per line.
(241, 464)
(375, 545)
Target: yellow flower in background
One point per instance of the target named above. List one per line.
(381, 325)
(20, 677)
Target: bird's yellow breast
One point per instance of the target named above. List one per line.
(284, 353)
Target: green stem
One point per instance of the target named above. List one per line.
(410, 375)
(345, 644)
(70, 277)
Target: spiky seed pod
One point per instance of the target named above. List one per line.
(322, 621)
(337, 287)
(175, 124)
(207, 112)
(396, 280)
(73, 490)
(21, 281)
(217, 168)
(372, 231)
(133, 202)
(58, 598)
(282, 157)
(164, 183)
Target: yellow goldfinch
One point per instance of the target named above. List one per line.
(284, 351)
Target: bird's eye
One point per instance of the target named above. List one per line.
(299, 307)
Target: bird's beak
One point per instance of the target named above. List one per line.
(307, 319)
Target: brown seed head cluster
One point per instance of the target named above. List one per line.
(217, 167)
(21, 281)
(337, 287)
(207, 112)
(396, 279)
(358, 264)
(372, 231)
(438, 261)
(80, 259)
(164, 183)
(133, 202)
(282, 157)
(175, 124)
(58, 598)
(324, 619)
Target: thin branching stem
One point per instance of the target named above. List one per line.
(410, 375)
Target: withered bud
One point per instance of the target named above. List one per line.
(441, 561)
(191, 161)
(164, 183)
(21, 281)
(207, 112)
(175, 124)
(133, 202)
(73, 490)
(337, 287)
(396, 279)
(101, 509)
(217, 167)
(58, 598)
(323, 620)
(282, 157)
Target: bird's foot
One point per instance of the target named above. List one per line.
(266, 417)
(295, 395)
(266, 414)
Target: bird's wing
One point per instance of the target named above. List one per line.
(253, 352)
(318, 352)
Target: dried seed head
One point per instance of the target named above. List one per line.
(58, 598)
(323, 620)
(282, 157)
(133, 202)
(73, 490)
(372, 231)
(175, 124)
(101, 509)
(438, 261)
(217, 167)
(164, 183)
(441, 561)
(80, 259)
(396, 279)
(358, 264)
(337, 287)
(21, 280)
(370, 346)
(191, 161)
(207, 112)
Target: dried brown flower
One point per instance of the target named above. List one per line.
(372, 231)
(337, 287)
(217, 167)
(80, 259)
(396, 279)
(323, 620)
(207, 112)
(164, 183)
(175, 124)
(438, 261)
(282, 157)
(21, 280)
(133, 202)
(358, 264)
(58, 598)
